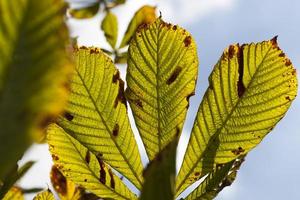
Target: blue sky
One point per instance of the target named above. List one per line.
(271, 170)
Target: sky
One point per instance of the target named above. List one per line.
(271, 170)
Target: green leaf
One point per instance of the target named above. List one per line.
(13, 177)
(250, 90)
(83, 167)
(85, 12)
(214, 183)
(15, 193)
(160, 175)
(45, 195)
(96, 114)
(110, 27)
(33, 69)
(145, 15)
(161, 76)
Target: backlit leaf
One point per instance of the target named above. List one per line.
(83, 167)
(145, 15)
(110, 27)
(161, 76)
(216, 181)
(96, 114)
(85, 12)
(160, 175)
(250, 90)
(33, 70)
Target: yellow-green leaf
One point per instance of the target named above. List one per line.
(85, 12)
(83, 167)
(65, 188)
(96, 114)
(145, 15)
(33, 70)
(14, 193)
(250, 90)
(121, 58)
(214, 183)
(45, 195)
(110, 27)
(160, 175)
(161, 76)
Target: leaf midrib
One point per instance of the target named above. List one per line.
(110, 132)
(225, 121)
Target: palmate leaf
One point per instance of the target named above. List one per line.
(161, 76)
(160, 175)
(96, 114)
(221, 177)
(33, 70)
(83, 167)
(250, 90)
(45, 195)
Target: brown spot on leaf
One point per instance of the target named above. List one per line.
(139, 103)
(174, 75)
(288, 62)
(281, 54)
(120, 97)
(288, 98)
(294, 72)
(85, 180)
(240, 84)
(116, 77)
(274, 41)
(174, 27)
(68, 116)
(231, 51)
(115, 131)
(102, 178)
(238, 151)
(83, 47)
(197, 173)
(58, 180)
(55, 157)
(88, 157)
(187, 41)
(112, 180)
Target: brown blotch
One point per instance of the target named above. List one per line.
(189, 96)
(55, 157)
(177, 131)
(197, 173)
(120, 97)
(288, 98)
(85, 180)
(58, 180)
(102, 178)
(240, 84)
(294, 72)
(187, 41)
(112, 180)
(274, 41)
(174, 27)
(116, 77)
(281, 54)
(238, 151)
(68, 116)
(174, 75)
(88, 157)
(83, 47)
(231, 51)
(139, 103)
(115, 131)
(288, 62)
